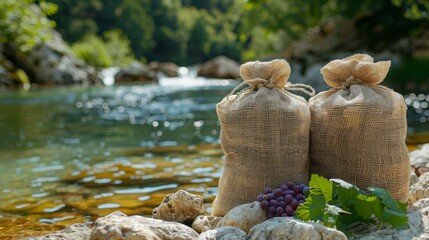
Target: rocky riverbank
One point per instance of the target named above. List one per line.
(182, 216)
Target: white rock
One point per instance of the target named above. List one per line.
(281, 228)
(419, 205)
(118, 226)
(180, 206)
(244, 216)
(413, 178)
(420, 189)
(76, 231)
(415, 231)
(223, 233)
(204, 223)
(425, 218)
(420, 157)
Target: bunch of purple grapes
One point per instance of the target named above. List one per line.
(283, 201)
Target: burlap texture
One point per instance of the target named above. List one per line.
(264, 135)
(358, 128)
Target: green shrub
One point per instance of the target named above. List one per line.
(409, 70)
(111, 50)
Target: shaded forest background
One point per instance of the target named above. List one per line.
(107, 33)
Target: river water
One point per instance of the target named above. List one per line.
(73, 154)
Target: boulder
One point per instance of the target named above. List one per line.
(168, 68)
(420, 189)
(180, 206)
(420, 157)
(136, 72)
(205, 223)
(118, 226)
(223, 233)
(290, 228)
(52, 63)
(76, 231)
(244, 216)
(220, 67)
(325, 39)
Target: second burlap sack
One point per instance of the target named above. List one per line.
(358, 128)
(264, 135)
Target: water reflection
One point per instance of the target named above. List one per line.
(418, 112)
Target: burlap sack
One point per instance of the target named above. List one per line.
(264, 135)
(358, 128)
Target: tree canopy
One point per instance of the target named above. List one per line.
(192, 31)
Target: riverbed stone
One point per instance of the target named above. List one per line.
(290, 228)
(413, 177)
(223, 233)
(420, 157)
(419, 205)
(220, 67)
(168, 68)
(136, 72)
(205, 223)
(244, 216)
(118, 226)
(420, 189)
(415, 231)
(181, 206)
(76, 231)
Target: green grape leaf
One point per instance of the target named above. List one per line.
(346, 194)
(322, 186)
(366, 206)
(312, 209)
(387, 199)
(396, 219)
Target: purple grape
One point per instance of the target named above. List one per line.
(272, 209)
(279, 199)
(293, 213)
(289, 210)
(290, 185)
(301, 202)
(279, 211)
(282, 204)
(297, 189)
(265, 197)
(260, 197)
(294, 204)
(268, 190)
(283, 187)
(270, 215)
(278, 192)
(299, 196)
(274, 203)
(288, 199)
(265, 204)
(306, 190)
(270, 196)
(284, 215)
(290, 192)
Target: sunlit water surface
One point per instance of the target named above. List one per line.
(72, 154)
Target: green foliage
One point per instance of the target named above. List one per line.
(414, 9)
(113, 50)
(22, 23)
(191, 31)
(340, 204)
(183, 31)
(409, 70)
